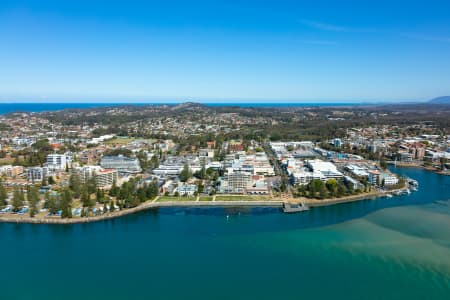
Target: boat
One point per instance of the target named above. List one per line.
(412, 182)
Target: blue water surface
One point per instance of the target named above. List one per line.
(389, 248)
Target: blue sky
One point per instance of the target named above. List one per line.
(302, 51)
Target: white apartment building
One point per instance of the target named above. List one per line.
(389, 179)
(36, 174)
(58, 162)
(235, 182)
(11, 171)
(104, 177)
(121, 164)
(185, 189)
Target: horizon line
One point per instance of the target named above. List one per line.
(212, 101)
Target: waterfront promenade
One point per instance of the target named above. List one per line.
(152, 204)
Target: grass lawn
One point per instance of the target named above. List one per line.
(206, 198)
(6, 161)
(242, 198)
(119, 141)
(170, 198)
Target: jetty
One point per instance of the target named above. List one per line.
(294, 207)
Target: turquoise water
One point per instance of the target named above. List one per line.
(397, 248)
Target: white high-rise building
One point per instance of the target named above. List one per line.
(58, 162)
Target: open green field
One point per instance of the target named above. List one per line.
(241, 198)
(171, 198)
(6, 161)
(119, 141)
(206, 198)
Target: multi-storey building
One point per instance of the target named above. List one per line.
(11, 171)
(388, 179)
(58, 162)
(374, 177)
(103, 177)
(121, 164)
(36, 174)
(235, 182)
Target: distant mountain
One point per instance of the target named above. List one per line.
(440, 100)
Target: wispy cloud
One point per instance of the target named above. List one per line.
(345, 29)
(336, 28)
(319, 42)
(323, 26)
(425, 37)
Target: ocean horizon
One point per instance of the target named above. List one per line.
(54, 106)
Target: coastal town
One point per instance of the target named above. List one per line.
(88, 164)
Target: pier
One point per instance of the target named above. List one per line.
(294, 207)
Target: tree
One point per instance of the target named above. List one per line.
(212, 174)
(135, 201)
(18, 199)
(53, 203)
(100, 196)
(66, 204)
(283, 185)
(200, 188)
(142, 157)
(92, 184)
(332, 186)
(33, 200)
(185, 174)
(302, 190)
(3, 195)
(152, 190)
(341, 190)
(383, 164)
(442, 162)
(75, 184)
(51, 180)
(201, 174)
(114, 191)
(141, 194)
(44, 181)
(86, 198)
(154, 162)
(316, 186)
(46, 200)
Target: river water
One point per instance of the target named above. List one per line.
(389, 248)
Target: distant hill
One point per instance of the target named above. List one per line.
(188, 106)
(440, 100)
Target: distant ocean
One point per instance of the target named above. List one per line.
(40, 107)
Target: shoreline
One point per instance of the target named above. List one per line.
(239, 203)
(420, 166)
